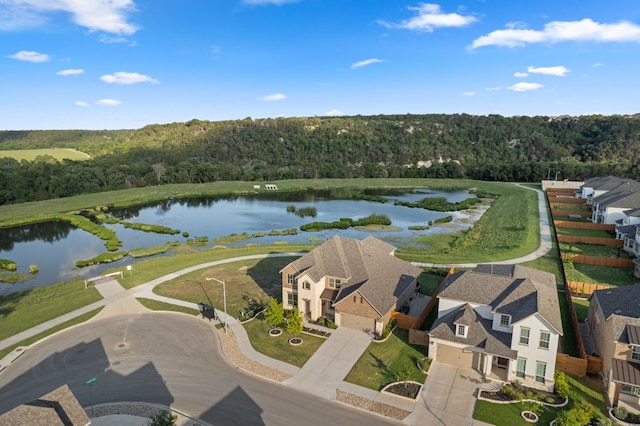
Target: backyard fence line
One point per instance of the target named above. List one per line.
(578, 288)
(571, 365)
(557, 204)
(596, 241)
(598, 260)
(553, 192)
(584, 225)
(562, 213)
(567, 200)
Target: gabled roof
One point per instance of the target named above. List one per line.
(635, 212)
(479, 333)
(58, 407)
(606, 183)
(368, 266)
(629, 197)
(628, 231)
(620, 307)
(508, 289)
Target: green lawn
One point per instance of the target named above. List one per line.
(581, 307)
(575, 232)
(569, 343)
(600, 275)
(390, 361)
(66, 324)
(278, 347)
(156, 305)
(429, 283)
(588, 390)
(255, 278)
(595, 250)
(21, 311)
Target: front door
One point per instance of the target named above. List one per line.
(307, 308)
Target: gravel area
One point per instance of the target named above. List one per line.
(235, 356)
(139, 409)
(370, 405)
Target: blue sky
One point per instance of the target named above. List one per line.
(123, 64)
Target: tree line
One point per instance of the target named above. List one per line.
(493, 147)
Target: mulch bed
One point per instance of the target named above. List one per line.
(499, 396)
(408, 390)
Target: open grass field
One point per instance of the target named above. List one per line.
(21, 311)
(389, 361)
(156, 305)
(250, 279)
(278, 347)
(588, 390)
(57, 153)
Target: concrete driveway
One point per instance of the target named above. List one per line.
(449, 396)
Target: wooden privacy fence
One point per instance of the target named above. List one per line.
(571, 365)
(614, 262)
(407, 322)
(594, 364)
(557, 204)
(584, 225)
(581, 213)
(578, 288)
(552, 192)
(418, 337)
(596, 241)
(567, 200)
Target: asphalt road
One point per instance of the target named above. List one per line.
(164, 358)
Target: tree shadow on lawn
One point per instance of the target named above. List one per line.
(266, 274)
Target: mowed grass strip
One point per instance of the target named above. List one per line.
(157, 305)
(278, 347)
(594, 274)
(382, 363)
(244, 280)
(57, 153)
(595, 250)
(576, 232)
(21, 311)
(31, 340)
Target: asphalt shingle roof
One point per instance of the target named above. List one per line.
(368, 266)
(620, 307)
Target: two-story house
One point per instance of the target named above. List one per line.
(614, 324)
(358, 284)
(594, 187)
(609, 208)
(501, 320)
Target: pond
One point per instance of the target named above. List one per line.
(56, 246)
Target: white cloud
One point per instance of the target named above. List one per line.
(597, 64)
(274, 97)
(493, 89)
(263, 2)
(69, 72)
(468, 93)
(108, 102)
(30, 56)
(114, 40)
(520, 74)
(365, 63)
(97, 15)
(562, 31)
(333, 113)
(430, 16)
(127, 78)
(524, 86)
(81, 104)
(560, 71)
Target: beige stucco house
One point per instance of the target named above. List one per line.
(357, 283)
(614, 324)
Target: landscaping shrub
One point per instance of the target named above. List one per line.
(561, 384)
(620, 413)
(578, 415)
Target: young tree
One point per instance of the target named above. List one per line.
(163, 418)
(274, 315)
(294, 322)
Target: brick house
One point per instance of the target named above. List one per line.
(358, 284)
(614, 324)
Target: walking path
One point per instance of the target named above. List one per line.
(323, 374)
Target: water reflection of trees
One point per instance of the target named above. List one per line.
(48, 232)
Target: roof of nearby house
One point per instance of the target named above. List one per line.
(605, 183)
(625, 371)
(635, 212)
(509, 289)
(629, 197)
(633, 332)
(479, 333)
(368, 266)
(628, 231)
(620, 307)
(58, 407)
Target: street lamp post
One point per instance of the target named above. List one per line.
(224, 298)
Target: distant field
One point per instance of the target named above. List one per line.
(31, 154)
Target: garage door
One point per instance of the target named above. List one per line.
(458, 357)
(357, 322)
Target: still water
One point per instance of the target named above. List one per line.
(56, 246)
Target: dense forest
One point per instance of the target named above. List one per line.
(490, 147)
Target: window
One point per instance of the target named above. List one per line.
(545, 336)
(292, 300)
(635, 353)
(335, 282)
(461, 330)
(291, 279)
(521, 367)
(524, 336)
(504, 320)
(306, 285)
(631, 390)
(541, 371)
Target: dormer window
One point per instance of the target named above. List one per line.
(505, 320)
(635, 353)
(335, 283)
(461, 330)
